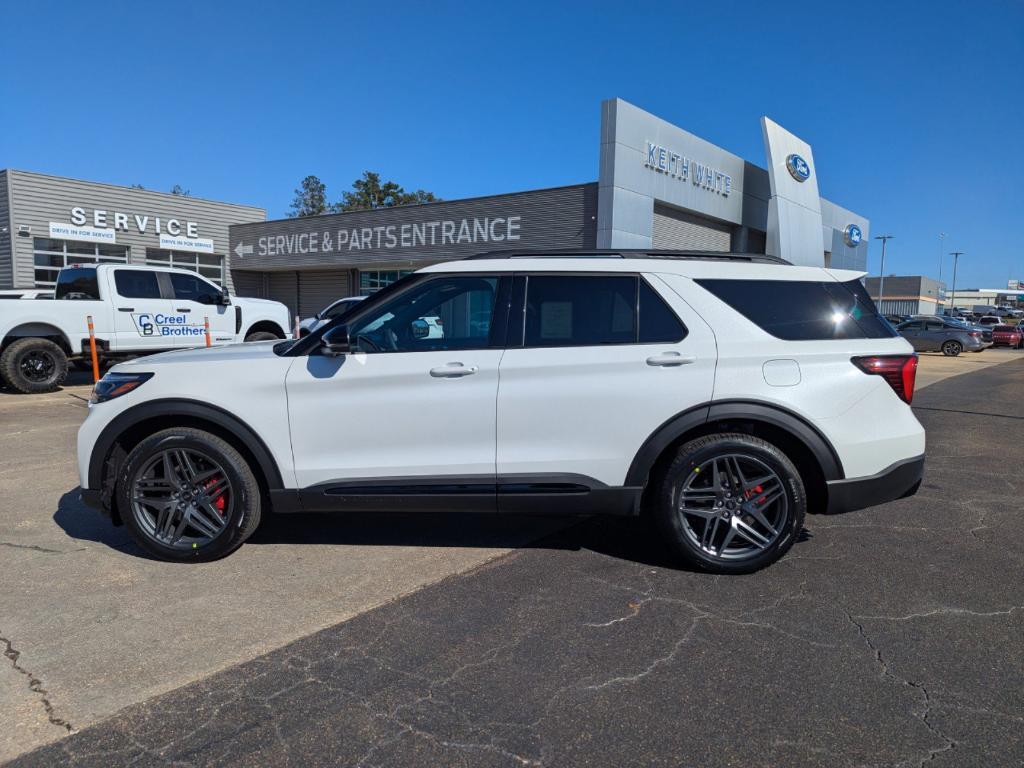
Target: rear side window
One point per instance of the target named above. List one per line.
(137, 284)
(804, 310)
(77, 283)
(594, 310)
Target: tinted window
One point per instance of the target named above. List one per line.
(802, 311)
(658, 323)
(913, 325)
(192, 288)
(580, 311)
(136, 284)
(444, 313)
(338, 309)
(77, 284)
(933, 325)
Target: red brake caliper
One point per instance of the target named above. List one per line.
(219, 503)
(753, 492)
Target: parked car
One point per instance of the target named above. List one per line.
(942, 334)
(328, 313)
(723, 395)
(989, 320)
(135, 310)
(896, 319)
(1008, 335)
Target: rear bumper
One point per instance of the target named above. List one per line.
(895, 482)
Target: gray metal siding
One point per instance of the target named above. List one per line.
(253, 284)
(565, 217)
(37, 199)
(284, 287)
(318, 289)
(7, 235)
(675, 229)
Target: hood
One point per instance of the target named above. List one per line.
(259, 302)
(253, 350)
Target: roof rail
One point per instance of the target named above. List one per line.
(626, 253)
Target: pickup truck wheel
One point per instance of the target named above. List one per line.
(730, 503)
(188, 495)
(32, 365)
(261, 336)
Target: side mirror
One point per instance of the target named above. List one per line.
(225, 298)
(420, 329)
(336, 342)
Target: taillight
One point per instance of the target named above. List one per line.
(899, 370)
(975, 334)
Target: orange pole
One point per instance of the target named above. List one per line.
(92, 350)
(206, 323)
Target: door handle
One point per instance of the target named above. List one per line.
(453, 371)
(670, 360)
(126, 309)
(182, 309)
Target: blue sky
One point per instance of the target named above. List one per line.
(915, 111)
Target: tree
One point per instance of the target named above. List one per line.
(137, 186)
(310, 198)
(369, 193)
(177, 189)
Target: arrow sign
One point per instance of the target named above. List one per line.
(243, 250)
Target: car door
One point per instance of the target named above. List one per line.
(142, 315)
(913, 332)
(595, 364)
(935, 335)
(407, 407)
(195, 301)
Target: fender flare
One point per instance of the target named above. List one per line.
(181, 407)
(737, 410)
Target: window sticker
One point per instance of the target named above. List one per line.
(556, 320)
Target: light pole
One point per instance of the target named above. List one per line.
(881, 271)
(952, 300)
(942, 236)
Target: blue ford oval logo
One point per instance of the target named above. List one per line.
(852, 235)
(798, 168)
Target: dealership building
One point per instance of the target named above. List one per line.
(48, 222)
(658, 186)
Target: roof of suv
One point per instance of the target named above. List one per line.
(695, 264)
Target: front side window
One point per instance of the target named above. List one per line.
(451, 312)
(799, 310)
(137, 284)
(191, 288)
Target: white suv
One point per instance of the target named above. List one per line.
(722, 394)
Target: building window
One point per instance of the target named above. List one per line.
(373, 280)
(51, 256)
(209, 265)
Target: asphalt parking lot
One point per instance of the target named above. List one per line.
(890, 636)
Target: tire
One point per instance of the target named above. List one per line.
(262, 336)
(782, 505)
(952, 348)
(239, 504)
(33, 365)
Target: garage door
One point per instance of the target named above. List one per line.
(284, 287)
(318, 289)
(675, 229)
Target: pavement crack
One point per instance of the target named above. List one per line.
(33, 547)
(944, 612)
(35, 685)
(887, 673)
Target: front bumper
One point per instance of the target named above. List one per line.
(896, 482)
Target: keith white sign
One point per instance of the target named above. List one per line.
(60, 231)
(677, 166)
(197, 244)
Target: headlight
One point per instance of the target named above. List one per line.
(116, 384)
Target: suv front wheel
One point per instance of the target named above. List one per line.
(185, 494)
(731, 503)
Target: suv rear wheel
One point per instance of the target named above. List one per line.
(731, 503)
(185, 494)
(33, 365)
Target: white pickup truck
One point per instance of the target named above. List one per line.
(136, 310)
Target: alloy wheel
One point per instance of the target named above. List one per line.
(733, 506)
(182, 498)
(37, 366)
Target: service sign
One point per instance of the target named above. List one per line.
(195, 244)
(60, 231)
